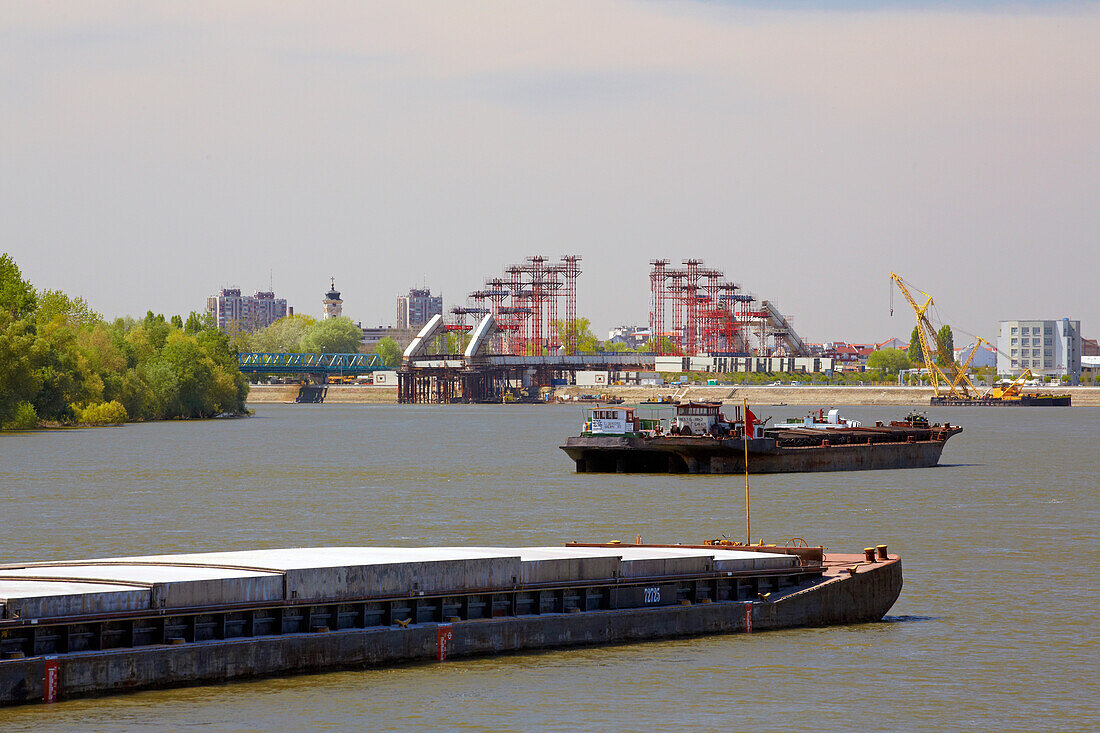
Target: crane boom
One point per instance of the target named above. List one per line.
(960, 375)
(1013, 389)
(923, 323)
(926, 333)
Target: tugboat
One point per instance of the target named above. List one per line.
(699, 438)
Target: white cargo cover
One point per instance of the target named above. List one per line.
(118, 585)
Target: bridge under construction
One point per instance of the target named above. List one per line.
(477, 375)
(509, 333)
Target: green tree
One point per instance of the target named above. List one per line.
(587, 343)
(389, 352)
(17, 296)
(663, 345)
(915, 354)
(25, 418)
(198, 322)
(945, 346)
(889, 361)
(163, 391)
(54, 305)
(60, 362)
(18, 383)
(240, 341)
(105, 413)
(332, 336)
(456, 343)
(284, 335)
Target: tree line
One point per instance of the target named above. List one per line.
(61, 363)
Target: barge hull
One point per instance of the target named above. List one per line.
(1025, 401)
(627, 455)
(847, 593)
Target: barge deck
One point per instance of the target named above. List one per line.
(69, 629)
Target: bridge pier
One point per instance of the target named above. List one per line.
(435, 379)
(429, 386)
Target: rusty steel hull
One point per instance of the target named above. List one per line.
(628, 454)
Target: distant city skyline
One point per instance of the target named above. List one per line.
(152, 156)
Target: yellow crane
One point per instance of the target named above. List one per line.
(1012, 391)
(957, 384)
(962, 380)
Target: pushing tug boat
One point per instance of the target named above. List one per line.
(699, 438)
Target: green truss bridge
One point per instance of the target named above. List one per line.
(319, 364)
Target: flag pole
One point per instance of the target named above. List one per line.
(745, 435)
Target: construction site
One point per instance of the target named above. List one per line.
(519, 333)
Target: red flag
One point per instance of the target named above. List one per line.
(750, 420)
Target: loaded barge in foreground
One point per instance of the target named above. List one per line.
(699, 439)
(69, 629)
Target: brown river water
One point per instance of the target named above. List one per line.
(997, 626)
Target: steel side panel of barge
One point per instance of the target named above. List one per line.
(413, 629)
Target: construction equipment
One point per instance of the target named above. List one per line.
(957, 389)
(926, 333)
(962, 380)
(1013, 390)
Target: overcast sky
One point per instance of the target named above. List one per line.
(152, 153)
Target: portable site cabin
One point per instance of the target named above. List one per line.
(697, 418)
(706, 418)
(612, 421)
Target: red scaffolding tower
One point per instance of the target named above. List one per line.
(708, 315)
(525, 305)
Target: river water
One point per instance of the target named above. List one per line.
(996, 627)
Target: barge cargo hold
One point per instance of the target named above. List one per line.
(69, 629)
(700, 440)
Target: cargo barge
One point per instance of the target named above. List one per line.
(70, 629)
(699, 439)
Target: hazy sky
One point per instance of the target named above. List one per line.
(151, 153)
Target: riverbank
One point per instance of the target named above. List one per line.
(756, 395)
(368, 394)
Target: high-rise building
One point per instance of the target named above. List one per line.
(334, 306)
(1045, 347)
(248, 312)
(266, 308)
(417, 308)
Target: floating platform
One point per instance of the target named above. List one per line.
(1027, 400)
(69, 629)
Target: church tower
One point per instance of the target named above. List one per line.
(333, 305)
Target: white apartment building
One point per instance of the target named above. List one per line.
(1045, 347)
